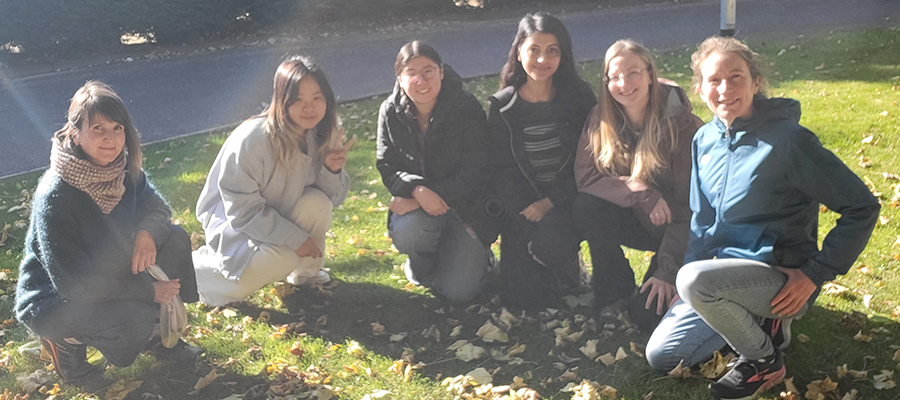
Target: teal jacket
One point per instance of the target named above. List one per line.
(756, 189)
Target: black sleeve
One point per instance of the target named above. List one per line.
(389, 160)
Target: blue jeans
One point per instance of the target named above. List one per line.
(722, 302)
(443, 254)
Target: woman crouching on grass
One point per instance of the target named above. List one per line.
(633, 171)
(269, 195)
(533, 124)
(753, 263)
(432, 155)
(96, 225)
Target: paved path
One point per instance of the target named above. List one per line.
(169, 98)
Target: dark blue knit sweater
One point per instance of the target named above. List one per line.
(75, 252)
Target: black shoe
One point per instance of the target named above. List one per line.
(748, 378)
(779, 330)
(182, 352)
(69, 360)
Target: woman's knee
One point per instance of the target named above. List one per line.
(660, 357)
(416, 230)
(690, 279)
(314, 206)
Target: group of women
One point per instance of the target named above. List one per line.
(729, 208)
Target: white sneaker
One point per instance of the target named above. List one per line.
(320, 278)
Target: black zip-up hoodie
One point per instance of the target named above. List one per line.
(450, 160)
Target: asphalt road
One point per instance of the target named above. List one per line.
(175, 97)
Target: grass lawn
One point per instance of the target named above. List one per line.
(373, 335)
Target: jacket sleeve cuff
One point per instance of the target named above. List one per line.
(647, 200)
(817, 272)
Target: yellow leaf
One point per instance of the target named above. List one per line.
(355, 349)
(680, 371)
(607, 359)
(355, 218)
(120, 389)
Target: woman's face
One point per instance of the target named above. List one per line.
(628, 80)
(421, 79)
(727, 86)
(101, 139)
(540, 55)
(309, 109)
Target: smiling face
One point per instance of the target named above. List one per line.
(310, 107)
(727, 86)
(101, 139)
(421, 79)
(628, 81)
(540, 56)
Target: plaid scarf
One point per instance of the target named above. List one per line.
(105, 184)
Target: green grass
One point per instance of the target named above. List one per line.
(852, 97)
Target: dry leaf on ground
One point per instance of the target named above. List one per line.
(821, 388)
(716, 366)
(680, 371)
(884, 380)
(491, 333)
(120, 389)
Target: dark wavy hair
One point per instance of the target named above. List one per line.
(514, 75)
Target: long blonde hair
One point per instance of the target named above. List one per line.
(285, 136)
(654, 146)
(97, 98)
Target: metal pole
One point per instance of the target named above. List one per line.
(726, 25)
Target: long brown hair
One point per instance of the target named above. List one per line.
(284, 135)
(97, 98)
(654, 146)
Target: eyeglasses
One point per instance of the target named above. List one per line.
(628, 76)
(426, 74)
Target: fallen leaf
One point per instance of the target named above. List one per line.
(789, 385)
(620, 354)
(120, 389)
(206, 380)
(33, 381)
(399, 336)
(843, 371)
(834, 289)
(469, 352)
(571, 374)
(636, 349)
(884, 380)
(491, 333)
(590, 348)
(377, 329)
(680, 371)
(506, 317)
(716, 366)
(354, 349)
(820, 389)
(802, 338)
(851, 395)
(296, 349)
(479, 376)
(867, 300)
(607, 359)
(860, 337)
(516, 349)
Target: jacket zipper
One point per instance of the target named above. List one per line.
(729, 160)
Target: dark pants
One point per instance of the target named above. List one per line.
(526, 283)
(607, 227)
(120, 328)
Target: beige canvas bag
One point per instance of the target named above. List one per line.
(172, 315)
